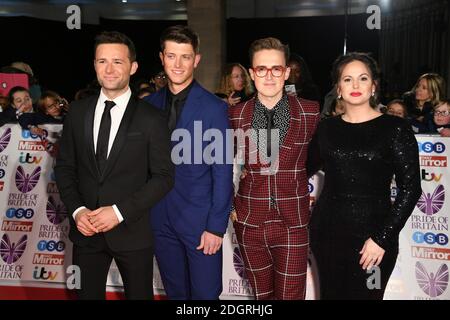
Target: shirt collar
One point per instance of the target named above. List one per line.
(280, 104)
(120, 101)
(182, 95)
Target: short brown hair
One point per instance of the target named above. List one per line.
(108, 37)
(180, 34)
(268, 44)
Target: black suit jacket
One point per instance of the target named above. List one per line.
(139, 171)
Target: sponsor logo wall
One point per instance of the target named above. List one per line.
(421, 272)
(34, 225)
(34, 244)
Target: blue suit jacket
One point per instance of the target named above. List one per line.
(202, 195)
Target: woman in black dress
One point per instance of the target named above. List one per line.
(354, 225)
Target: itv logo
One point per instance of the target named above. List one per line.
(40, 273)
(28, 158)
(430, 176)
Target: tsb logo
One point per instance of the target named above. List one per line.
(20, 213)
(26, 134)
(430, 238)
(429, 147)
(394, 192)
(51, 246)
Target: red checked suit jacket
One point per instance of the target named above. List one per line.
(286, 189)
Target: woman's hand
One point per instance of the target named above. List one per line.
(232, 101)
(445, 132)
(371, 254)
(244, 173)
(37, 131)
(233, 216)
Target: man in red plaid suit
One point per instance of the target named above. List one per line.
(271, 206)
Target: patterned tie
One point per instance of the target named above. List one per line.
(103, 136)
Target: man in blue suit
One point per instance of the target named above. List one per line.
(190, 221)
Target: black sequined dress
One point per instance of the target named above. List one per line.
(359, 161)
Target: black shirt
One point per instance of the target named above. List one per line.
(180, 97)
(281, 117)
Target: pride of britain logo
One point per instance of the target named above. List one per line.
(433, 284)
(11, 252)
(25, 182)
(4, 139)
(56, 212)
(430, 204)
(238, 263)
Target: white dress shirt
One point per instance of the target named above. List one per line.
(117, 113)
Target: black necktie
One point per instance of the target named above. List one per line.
(270, 125)
(103, 136)
(173, 114)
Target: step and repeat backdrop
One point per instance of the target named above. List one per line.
(35, 249)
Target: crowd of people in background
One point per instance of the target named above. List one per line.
(424, 106)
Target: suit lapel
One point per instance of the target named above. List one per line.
(247, 114)
(191, 107)
(251, 148)
(159, 98)
(120, 138)
(294, 127)
(89, 135)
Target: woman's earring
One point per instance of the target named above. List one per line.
(339, 97)
(373, 93)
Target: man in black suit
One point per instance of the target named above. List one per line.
(114, 164)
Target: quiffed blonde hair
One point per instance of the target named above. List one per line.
(268, 44)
